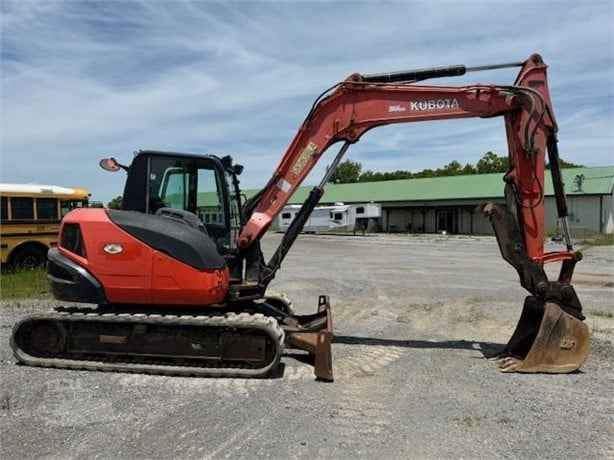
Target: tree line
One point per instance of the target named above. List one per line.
(350, 171)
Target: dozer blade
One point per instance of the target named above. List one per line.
(316, 342)
(546, 339)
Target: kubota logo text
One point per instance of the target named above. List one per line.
(434, 104)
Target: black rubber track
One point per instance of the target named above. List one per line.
(123, 364)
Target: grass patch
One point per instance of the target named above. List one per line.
(602, 314)
(23, 284)
(599, 240)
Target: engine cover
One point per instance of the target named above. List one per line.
(154, 259)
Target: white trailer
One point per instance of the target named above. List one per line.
(340, 217)
(319, 221)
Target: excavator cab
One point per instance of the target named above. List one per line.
(177, 185)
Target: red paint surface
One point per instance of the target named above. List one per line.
(140, 274)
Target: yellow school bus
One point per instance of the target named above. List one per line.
(30, 220)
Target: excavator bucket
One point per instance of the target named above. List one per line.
(546, 339)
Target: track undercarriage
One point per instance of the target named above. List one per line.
(247, 344)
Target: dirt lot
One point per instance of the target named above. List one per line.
(413, 316)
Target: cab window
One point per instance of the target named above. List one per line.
(174, 188)
(68, 205)
(208, 205)
(190, 184)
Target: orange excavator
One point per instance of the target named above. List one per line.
(178, 281)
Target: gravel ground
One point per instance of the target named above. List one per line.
(413, 317)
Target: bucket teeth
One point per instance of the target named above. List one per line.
(546, 339)
(509, 364)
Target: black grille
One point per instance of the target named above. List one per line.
(71, 239)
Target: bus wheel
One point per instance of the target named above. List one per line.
(29, 257)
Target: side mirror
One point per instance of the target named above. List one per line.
(111, 165)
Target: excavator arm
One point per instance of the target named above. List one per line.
(549, 336)
(361, 103)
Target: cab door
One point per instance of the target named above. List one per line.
(192, 184)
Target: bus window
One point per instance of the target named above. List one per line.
(22, 208)
(46, 209)
(4, 212)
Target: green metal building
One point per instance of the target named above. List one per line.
(449, 203)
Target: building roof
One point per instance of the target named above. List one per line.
(596, 181)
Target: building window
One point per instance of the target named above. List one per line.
(360, 210)
(22, 208)
(46, 208)
(286, 215)
(4, 212)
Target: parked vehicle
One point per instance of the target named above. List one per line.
(339, 217)
(30, 220)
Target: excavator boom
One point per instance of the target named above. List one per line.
(361, 103)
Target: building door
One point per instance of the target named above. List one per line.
(447, 221)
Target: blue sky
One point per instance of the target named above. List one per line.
(81, 80)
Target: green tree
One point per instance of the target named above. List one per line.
(492, 163)
(425, 173)
(469, 169)
(115, 203)
(347, 172)
(453, 168)
(368, 176)
(489, 163)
